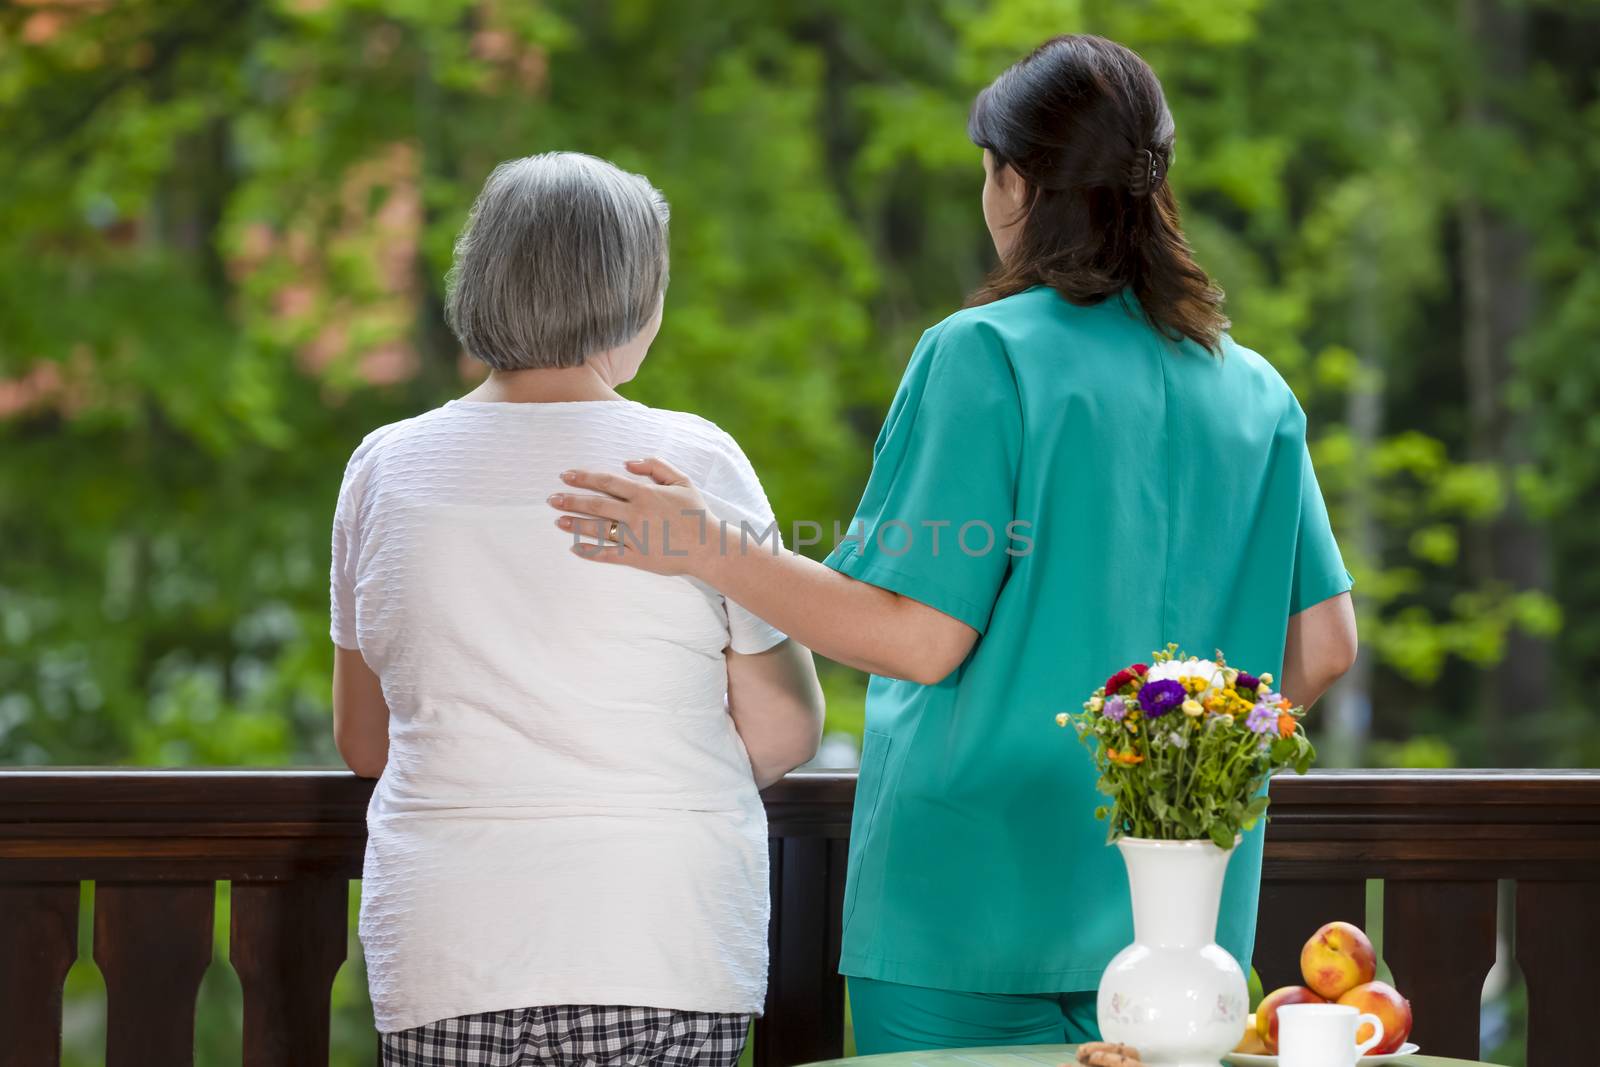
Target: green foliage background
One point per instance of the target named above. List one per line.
(225, 223)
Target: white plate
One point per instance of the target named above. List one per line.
(1253, 1059)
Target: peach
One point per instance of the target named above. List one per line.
(1251, 1041)
(1384, 1001)
(1337, 959)
(1267, 1011)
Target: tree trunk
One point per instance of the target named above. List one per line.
(1350, 700)
(437, 349)
(1498, 296)
(187, 210)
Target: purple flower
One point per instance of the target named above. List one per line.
(1263, 718)
(1116, 709)
(1247, 681)
(1158, 698)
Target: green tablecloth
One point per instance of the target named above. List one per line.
(1031, 1056)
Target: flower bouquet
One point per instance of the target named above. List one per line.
(1184, 747)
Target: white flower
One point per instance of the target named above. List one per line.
(1178, 740)
(1187, 668)
(1181, 669)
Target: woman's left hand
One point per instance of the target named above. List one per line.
(661, 525)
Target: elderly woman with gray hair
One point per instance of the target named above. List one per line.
(567, 855)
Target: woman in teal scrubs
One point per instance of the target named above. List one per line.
(1078, 468)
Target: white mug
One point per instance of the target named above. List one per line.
(1323, 1035)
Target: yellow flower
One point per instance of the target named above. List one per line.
(1266, 679)
(1192, 708)
(1061, 720)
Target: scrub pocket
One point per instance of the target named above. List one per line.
(869, 791)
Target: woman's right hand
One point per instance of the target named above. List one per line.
(661, 525)
(665, 527)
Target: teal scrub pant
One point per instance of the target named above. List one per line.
(890, 1017)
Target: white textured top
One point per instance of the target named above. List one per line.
(568, 815)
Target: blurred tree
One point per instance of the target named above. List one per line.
(225, 226)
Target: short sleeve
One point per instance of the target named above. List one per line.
(346, 551)
(937, 520)
(1319, 571)
(734, 493)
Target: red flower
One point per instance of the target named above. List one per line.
(1124, 676)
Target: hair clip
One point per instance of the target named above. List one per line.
(1147, 173)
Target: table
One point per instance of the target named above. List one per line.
(1032, 1056)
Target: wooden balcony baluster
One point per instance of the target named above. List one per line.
(1438, 939)
(153, 944)
(287, 942)
(1558, 948)
(38, 942)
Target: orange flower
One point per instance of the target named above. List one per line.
(1129, 758)
(1285, 725)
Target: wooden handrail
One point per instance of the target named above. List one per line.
(290, 841)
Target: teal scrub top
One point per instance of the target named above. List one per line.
(1081, 491)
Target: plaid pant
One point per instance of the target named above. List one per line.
(572, 1035)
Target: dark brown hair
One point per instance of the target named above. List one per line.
(1084, 123)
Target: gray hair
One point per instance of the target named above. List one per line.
(564, 255)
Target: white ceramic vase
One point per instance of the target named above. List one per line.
(1174, 994)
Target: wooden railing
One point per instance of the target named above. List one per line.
(155, 844)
